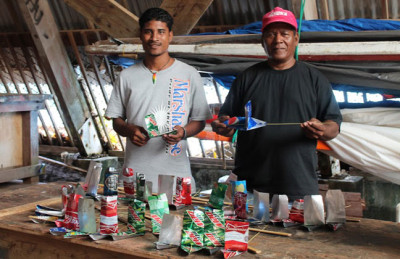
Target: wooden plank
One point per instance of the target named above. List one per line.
(55, 150)
(324, 7)
(11, 140)
(30, 138)
(19, 173)
(186, 13)
(378, 48)
(110, 16)
(29, 206)
(310, 10)
(39, 18)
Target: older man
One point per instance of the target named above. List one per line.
(281, 159)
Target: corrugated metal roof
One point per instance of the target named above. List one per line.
(221, 13)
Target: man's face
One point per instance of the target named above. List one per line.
(280, 41)
(155, 37)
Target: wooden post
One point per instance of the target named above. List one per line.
(45, 34)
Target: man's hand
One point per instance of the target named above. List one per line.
(315, 129)
(138, 135)
(172, 139)
(220, 128)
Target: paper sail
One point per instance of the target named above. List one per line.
(247, 122)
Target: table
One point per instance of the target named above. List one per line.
(21, 238)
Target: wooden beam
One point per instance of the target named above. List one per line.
(256, 50)
(186, 13)
(110, 16)
(7, 175)
(385, 9)
(310, 10)
(45, 34)
(324, 10)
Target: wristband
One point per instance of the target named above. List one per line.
(184, 133)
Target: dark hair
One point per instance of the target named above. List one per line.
(157, 14)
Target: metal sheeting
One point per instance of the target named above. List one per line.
(221, 14)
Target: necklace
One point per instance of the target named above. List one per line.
(154, 77)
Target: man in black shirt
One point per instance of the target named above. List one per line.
(281, 159)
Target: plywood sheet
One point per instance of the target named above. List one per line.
(11, 140)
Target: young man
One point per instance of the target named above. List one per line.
(281, 159)
(165, 87)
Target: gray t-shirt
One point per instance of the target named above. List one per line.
(176, 97)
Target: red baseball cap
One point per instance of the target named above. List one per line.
(279, 15)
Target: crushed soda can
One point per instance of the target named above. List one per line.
(314, 213)
(140, 186)
(86, 215)
(214, 228)
(217, 196)
(93, 179)
(228, 194)
(66, 190)
(166, 185)
(111, 182)
(128, 179)
(193, 231)
(261, 206)
(239, 204)
(183, 191)
(109, 215)
(335, 209)
(297, 211)
(245, 123)
(158, 207)
(148, 190)
(71, 214)
(44, 219)
(239, 186)
(171, 232)
(136, 220)
(236, 238)
(157, 128)
(280, 208)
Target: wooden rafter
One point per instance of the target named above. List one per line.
(45, 34)
(186, 13)
(110, 16)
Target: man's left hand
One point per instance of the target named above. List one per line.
(313, 129)
(172, 139)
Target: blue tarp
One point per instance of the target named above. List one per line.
(355, 24)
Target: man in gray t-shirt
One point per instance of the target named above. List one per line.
(169, 89)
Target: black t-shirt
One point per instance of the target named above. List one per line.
(280, 159)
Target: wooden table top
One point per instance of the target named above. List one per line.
(21, 237)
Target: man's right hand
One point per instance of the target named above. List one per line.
(138, 135)
(220, 128)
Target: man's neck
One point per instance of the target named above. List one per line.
(156, 63)
(281, 65)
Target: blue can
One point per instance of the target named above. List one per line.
(111, 182)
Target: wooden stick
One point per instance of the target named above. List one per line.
(253, 250)
(352, 219)
(62, 164)
(271, 232)
(29, 206)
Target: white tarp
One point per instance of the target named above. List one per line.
(369, 140)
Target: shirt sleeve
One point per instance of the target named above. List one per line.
(116, 105)
(328, 109)
(233, 102)
(200, 110)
